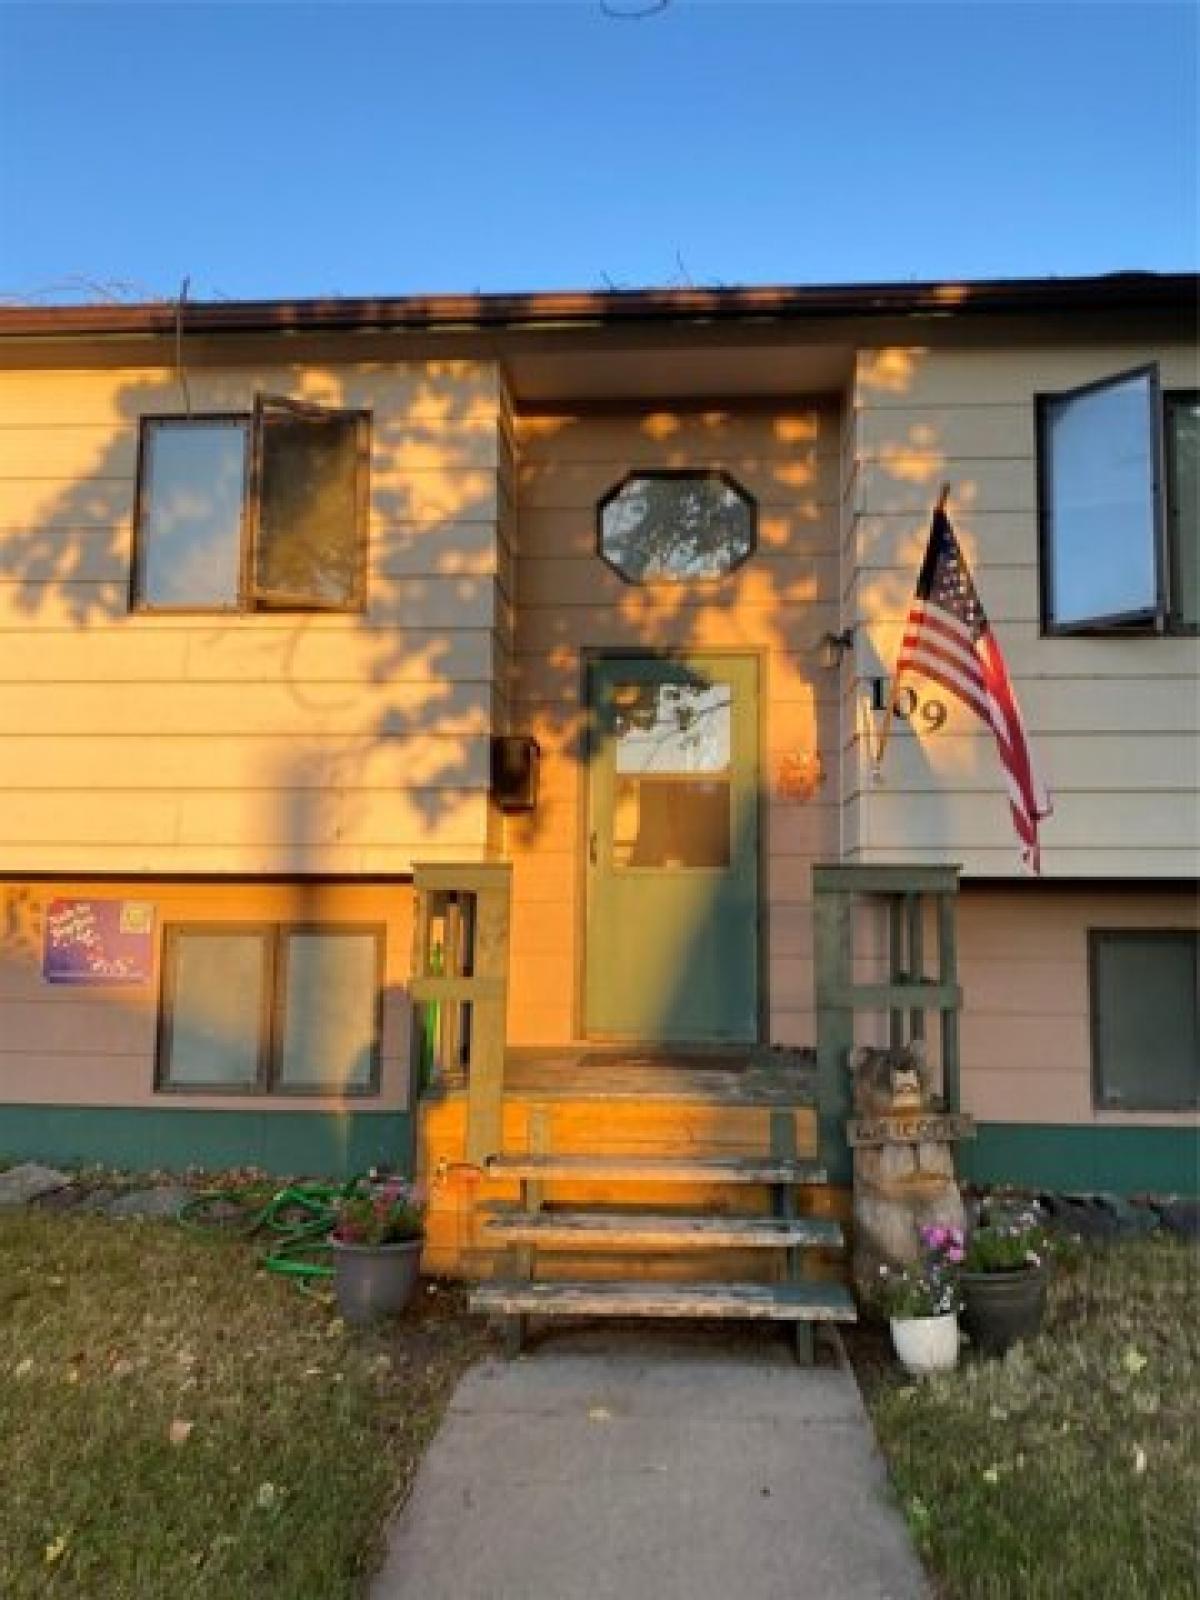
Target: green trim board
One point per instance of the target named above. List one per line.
(1088, 1157)
(317, 1143)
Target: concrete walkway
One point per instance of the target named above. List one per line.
(652, 1464)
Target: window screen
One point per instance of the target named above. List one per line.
(1145, 1033)
(193, 479)
(213, 1008)
(330, 988)
(308, 544)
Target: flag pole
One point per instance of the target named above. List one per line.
(890, 715)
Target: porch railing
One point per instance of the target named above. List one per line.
(907, 995)
(460, 988)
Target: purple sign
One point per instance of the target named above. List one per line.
(98, 941)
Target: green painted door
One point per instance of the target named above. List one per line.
(672, 851)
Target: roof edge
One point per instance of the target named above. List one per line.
(1119, 291)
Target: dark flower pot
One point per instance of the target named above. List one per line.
(375, 1280)
(1001, 1307)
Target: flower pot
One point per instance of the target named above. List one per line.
(1001, 1307)
(926, 1344)
(375, 1280)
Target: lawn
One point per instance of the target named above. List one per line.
(175, 1422)
(1072, 1467)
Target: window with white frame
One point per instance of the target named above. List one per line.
(1118, 506)
(266, 511)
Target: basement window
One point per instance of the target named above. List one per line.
(1145, 1008)
(1117, 467)
(259, 512)
(249, 1008)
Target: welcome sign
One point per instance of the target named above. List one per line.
(98, 942)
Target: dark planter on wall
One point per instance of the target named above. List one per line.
(1001, 1307)
(375, 1280)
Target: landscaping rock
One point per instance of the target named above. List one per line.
(163, 1202)
(1132, 1220)
(20, 1185)
(69, 1199)
(1181, 1217)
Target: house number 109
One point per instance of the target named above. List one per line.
(930, 713)
(909, 705)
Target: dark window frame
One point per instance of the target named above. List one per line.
(268, 1082)
(666, 474)
(249, 601)
(172, 935)
(1138, 624)
(1175, 623)
(1097, 937)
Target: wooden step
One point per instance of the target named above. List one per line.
(626, 1229)
(806, 1301)
(657, 1169)
(799, 1303)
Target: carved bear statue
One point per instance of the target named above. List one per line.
(890, 1079)
(900, 1185)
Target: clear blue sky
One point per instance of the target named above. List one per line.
(297, 150)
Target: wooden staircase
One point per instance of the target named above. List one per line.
(793, 1298)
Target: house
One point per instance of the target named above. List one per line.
(517, 659)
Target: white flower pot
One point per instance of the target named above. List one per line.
(926, 1344)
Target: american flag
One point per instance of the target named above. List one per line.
(947, 638)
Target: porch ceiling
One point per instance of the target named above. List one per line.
(672, 369)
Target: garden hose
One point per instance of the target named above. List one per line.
(299, 1218)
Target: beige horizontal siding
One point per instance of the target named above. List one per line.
(441, 395)
(918, 377)
(1112, 720)
(1026, 1028)
(65, 1045)
(152, 741)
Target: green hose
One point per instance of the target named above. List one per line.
(299, 1216)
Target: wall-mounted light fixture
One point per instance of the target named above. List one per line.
(834, 646)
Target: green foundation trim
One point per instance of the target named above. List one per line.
(314, 1143)
(1050, 1156)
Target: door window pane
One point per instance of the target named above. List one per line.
(672, 727)
(308, 545)
(1145, 1023)
(1183, 496)
(1099, 473)
(190, 525)
(672, 796)
(330, 1010)
(213, 1025)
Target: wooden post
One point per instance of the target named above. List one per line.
(915, 912)
(895, 967)
(947, 969)
(480, 920)
(832, 937)
(485, 1089)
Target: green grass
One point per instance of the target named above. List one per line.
(1071, 1467)
(174, 1422)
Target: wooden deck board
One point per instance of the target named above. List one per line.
(615, 1229)
(656, 1169)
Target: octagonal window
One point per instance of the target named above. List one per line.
(675, 527)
